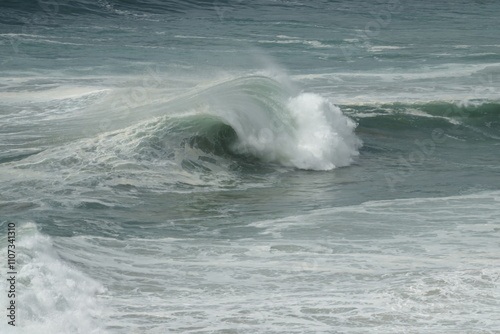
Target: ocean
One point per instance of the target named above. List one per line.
(268, 166)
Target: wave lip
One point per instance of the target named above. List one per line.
(314, 135)
(205, 137)
(305, 131)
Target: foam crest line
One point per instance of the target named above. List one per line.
(305, 131)
(269, 123)
(272, 124)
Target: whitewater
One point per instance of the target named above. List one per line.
(264, 167)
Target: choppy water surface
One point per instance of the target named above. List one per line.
(264, 167)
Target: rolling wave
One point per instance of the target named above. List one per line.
(251, 116)
(305, 130)
(474, 120)
(221, 135)
(230, 135)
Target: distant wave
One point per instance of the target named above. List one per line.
(478, 120)
(107, 8)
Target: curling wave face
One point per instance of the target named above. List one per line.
(252, 118)
(305, 131)
(225, 136)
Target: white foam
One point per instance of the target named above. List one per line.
(380, 48)
(403, 265)
(325, 137)
(313, 43)
(53, 296)
(451, 81)
(420, 113)
(52, 94)
(318, 136)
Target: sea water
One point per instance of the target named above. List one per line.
(250, 167)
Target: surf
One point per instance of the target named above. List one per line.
(470, 121)
(273, 125)
(252, 118)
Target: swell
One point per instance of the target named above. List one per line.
(272, 124)
(13, 12)
(228, 135)
(257, 116)
(474, 120)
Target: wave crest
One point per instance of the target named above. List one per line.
(305, 131)
(314, 134)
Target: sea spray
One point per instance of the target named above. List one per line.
(309, 133)
(325, 136)
(54, 297)
(304, 130)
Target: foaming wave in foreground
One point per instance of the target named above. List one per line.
(53, 296)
